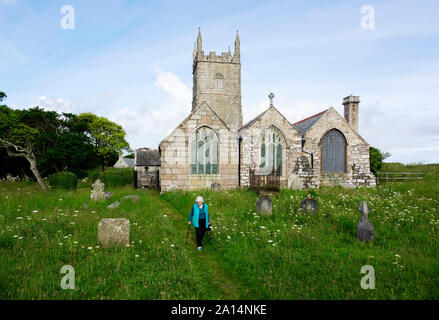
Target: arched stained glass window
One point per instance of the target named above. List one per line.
(271, 150)
(333, 152)
(219, 81)
(204, 151)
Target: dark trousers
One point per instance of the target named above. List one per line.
(200, 231)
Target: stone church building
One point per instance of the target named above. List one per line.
(213, 145)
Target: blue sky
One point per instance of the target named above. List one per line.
(131, 61)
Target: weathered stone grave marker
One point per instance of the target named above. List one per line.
(295, 182)
(310, 204)
(215, 186)
(134, 197)
(264, 205)
(114, 232)
(365, 231)
(97, 193)
(114, 205)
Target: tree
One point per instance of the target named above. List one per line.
(18, 139)
(376, 158)
(107, 137)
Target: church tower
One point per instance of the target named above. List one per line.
(217, 80)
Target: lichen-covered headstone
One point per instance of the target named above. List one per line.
(98, 193)
(215, 186)
(114, 232)
(264, 205)
(310, 204)
(365, 231)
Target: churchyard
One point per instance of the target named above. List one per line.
(288, 254)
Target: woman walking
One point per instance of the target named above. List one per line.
(200, 218)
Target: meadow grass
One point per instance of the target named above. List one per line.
(288, 255)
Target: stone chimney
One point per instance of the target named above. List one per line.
(351, 110)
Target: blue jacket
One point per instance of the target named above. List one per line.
(195, 215)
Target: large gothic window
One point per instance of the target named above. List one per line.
(204, 151)
(333, 152)
(219, 81)
(271, 151)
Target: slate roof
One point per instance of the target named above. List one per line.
(304, 125)
(129, 161)
(147, 157)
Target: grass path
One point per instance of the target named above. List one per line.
(209, 268)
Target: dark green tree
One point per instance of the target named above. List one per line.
(376, 158)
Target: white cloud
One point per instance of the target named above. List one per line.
(59, 105)
(148, 124)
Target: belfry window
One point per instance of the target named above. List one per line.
(204, 151)
(219, 81)
(271, 151)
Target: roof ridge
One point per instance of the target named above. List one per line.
(317, 114)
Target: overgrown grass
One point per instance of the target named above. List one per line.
(288, 255)
(40, 233)
(292, 255)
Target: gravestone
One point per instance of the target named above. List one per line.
(347, 185)
(264, 204)
(365, 231)
(310, 204)
(114, 232)
(215, 186)
(134, 198)
(98, 193)
(295, 182)
(114, 205)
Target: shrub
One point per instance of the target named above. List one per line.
(79, 172)
(64, 180)
(117, 177)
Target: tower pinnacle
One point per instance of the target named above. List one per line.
(199, 41)
(237, 45)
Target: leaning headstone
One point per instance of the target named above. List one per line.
(365, 231)
(310, 204)
(347, 185)
(264, 205)
(97, 193)
(215, 186)
(114, 205)
(114, 232)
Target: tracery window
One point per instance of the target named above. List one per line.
(271, 150)
(204, 151)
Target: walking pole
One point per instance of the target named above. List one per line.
(187, 233)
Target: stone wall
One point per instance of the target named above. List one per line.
(226, 101)
(175, 154)
(251, 144)
(357, 149)
(148, 176)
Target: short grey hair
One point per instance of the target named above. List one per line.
(199, 199)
